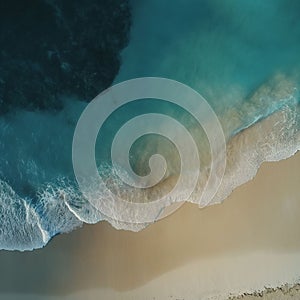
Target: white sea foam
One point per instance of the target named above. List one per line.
(58, 207)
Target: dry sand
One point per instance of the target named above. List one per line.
(249, 242)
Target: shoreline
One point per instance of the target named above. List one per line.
(248, 242)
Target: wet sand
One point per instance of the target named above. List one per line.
(249, 242)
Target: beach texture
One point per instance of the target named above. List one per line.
(283, 293)
(246, 244)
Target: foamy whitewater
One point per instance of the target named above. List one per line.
(242, 56)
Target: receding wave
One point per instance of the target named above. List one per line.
(266, 127)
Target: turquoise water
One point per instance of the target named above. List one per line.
(242, 56)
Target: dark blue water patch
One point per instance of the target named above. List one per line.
(54, 47)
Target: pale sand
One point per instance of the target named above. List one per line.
(250, 241)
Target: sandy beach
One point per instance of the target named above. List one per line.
(155, 103)
(248, 243)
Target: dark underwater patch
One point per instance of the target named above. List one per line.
(50, 48)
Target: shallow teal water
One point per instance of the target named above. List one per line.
(223, 49)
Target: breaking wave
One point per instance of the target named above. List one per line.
(34, 212)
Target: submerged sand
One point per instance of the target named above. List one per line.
(249, 242)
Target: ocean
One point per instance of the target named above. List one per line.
(242, 57)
